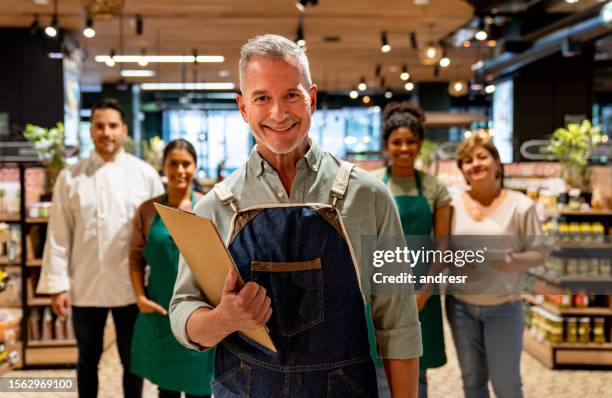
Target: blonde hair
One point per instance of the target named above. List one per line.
(473, 141)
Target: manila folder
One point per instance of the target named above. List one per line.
(203, 249)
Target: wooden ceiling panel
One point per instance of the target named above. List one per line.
(220, 27)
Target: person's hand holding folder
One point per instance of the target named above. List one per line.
(240, 310)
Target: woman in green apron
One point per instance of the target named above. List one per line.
(156, 355)
(423, 203)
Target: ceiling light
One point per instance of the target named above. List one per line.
(481, 34)
(492, 43)
(143, 61)
(458, 88)
(404, 75)
(571, 1)
(362, 84)
(490, 89)
(366, 99)
(187, 86)
(444, 61)
(301, 5)
(224, 73)
(384, 43)
(164, 58)
(431, 54)
(466, 44)
(51, 30)
(477, 65)
(110, 60)
(353, 94)
(35, 27)
(388, 93)
(89, 31)
(299, 35)
(606, 14)
(137, 73)
(56, 55)
(409, 86)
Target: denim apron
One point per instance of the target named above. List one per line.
(302, 256)
(156, 354)
(417, 219)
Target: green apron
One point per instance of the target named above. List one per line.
(417, 219)
(156, 355)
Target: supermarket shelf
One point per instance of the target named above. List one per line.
(52, 343)
(37, 220)
(590, 213)
(10, 218)
(51, 355)
(556, 310)
(4, 260)
(552, 355)
(4, 368)
(585, 283)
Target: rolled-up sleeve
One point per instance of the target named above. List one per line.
(186, 299)
(395, 317)
(54, 276)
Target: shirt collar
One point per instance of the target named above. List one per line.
(98, 160)
(257, 165)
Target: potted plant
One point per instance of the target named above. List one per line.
(49, 143)
(572, 146)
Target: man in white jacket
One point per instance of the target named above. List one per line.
(85, 262)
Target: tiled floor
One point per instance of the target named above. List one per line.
(444, 382)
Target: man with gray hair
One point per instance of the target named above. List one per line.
(293, 216)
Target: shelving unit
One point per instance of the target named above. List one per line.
(554, 355)
(35, 352)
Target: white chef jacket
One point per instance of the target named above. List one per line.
(88, 236)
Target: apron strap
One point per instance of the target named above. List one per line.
(225, 195)
(417, 180)
(341, 182)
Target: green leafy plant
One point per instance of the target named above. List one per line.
(572, 147)
(152, 151)
(427, 152)
(49, 143)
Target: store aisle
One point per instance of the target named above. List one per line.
(444, 382)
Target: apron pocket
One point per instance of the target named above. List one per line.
(341, 385)
(296, 292)
(234, 383)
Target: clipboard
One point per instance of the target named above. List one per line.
(206, 256)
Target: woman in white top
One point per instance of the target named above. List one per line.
(487, 325)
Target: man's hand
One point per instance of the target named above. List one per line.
(147, 306)
(61, 303)
(245, 310)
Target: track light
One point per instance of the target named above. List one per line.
(353, 94)
(458, 88)
(404, 75)
(89, 31)
(143, 61)
(490, 89)
(366, 99)
(481, 34)
(384, 43)
(444, 61)
(139, 25)
(51, 30)
(409, 86)
(388, 93)
(362, 84)
(413, 41)
(35, 27)
(111, 59)
(299, 34)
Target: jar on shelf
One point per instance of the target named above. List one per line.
(598, 232)
(563, 230)
(555, 329)
(574, 232)
(584, 266)
(599, 334)
(585, 232)
(584, 330)
(605, 267)
(571, 330)
(571, 266)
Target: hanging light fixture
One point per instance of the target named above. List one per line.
(89, 31)
(413, 41)
(384, 43)
(458, 88)
(139, 25)
(431, 54)
(409, 86)
(388, 93)
(103, 10)
(362, 84)
(353, 93)
(404, 75)
(299, 35)
(35, 27)
(366, 99)
(490, 89)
